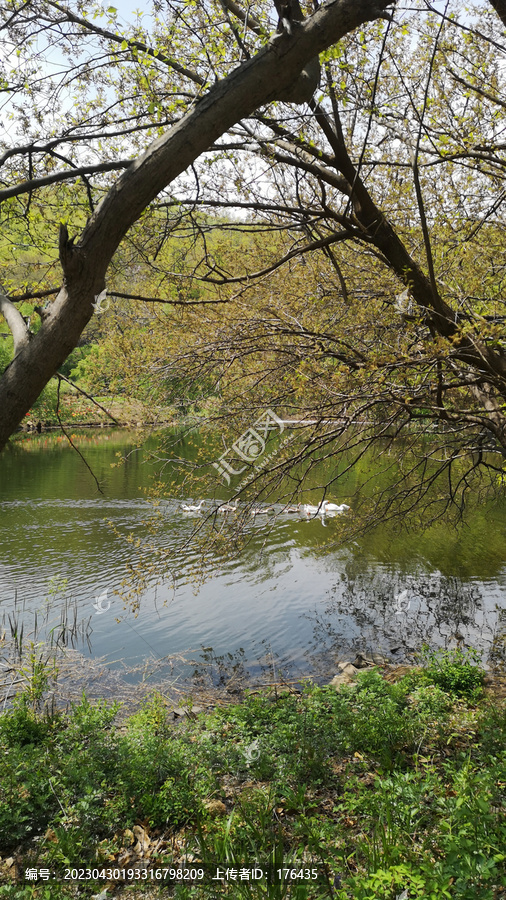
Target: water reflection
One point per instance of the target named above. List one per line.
(396, 613)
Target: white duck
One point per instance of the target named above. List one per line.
(306, 509)
(328, 507)
(188, 507)
(227, 508)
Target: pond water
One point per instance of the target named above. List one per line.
(282, 603)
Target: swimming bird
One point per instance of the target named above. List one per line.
(190, 508)
(326, 508)
(262, 512)
(308, 510)
(227, 507)
(334, 507)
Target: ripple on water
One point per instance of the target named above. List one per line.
(277, 598)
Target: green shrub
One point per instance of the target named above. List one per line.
(396, 881)
(26, 799)
(20, 726)
(430, 700)
(455, 671)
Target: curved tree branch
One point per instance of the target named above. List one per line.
(246, 17)
(15, 322)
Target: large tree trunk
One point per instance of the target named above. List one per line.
(500, 8)
(264, 78)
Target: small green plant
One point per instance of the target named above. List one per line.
(455, 671)
(392, 882)
(430, 700)
(37, 674)
(57, 588)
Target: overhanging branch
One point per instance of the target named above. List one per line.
(24, 187)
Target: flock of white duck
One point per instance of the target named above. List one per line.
(324, 510)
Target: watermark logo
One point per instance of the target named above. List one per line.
(99, 606)
(101, 304)
(249, 446)
(402, 603)
(251, 752)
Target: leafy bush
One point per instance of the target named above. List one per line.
(472, 830)
(74, 359)
(399, 881)
(430, 700)
(26, 799)
(455, 671)
(79, 769)
(162, 780)
(21, 727)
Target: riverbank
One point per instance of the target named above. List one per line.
(386, 788)
(78, 411)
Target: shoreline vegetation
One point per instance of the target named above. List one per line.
(390, 785)
(109, 411)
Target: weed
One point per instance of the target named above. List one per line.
(37, 673)
(395, 881)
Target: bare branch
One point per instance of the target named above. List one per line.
(246, 17)
(333, 238)
(165, 300)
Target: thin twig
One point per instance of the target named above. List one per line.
(89, 397)
(67, 435)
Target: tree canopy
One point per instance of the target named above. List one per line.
(337, 194)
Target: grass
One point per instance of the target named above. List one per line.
(386, 791)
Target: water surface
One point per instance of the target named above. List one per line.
(282, 603)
